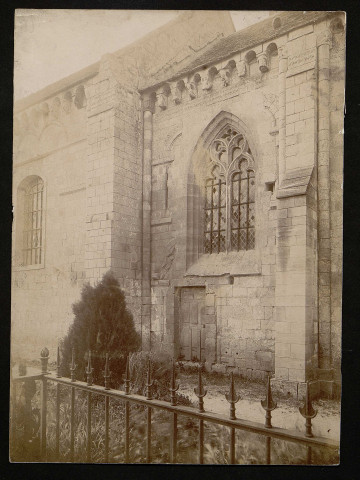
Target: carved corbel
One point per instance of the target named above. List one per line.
(55, 108)
(191, 88)
(241, 68)
(66, 103)
(263, 62)
(161, 100)
(176, 93)
(225, 76)
(206, 82)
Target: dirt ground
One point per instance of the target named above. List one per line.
(286, 415)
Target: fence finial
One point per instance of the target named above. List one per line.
(268, 404)
(307, 411)
(173, 388)
(149, 383)
(58, 374)
(44, 358)
(232, 397)
(127, 377)
(200, 392)
(89, 370)
(107, 372)
(73, 365)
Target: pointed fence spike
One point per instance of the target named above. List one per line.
(89, 370)
(107, 372)
(307, 411)
(200, 392)
(268, 404)
(232, 397)
(58, 374)
(73, 365)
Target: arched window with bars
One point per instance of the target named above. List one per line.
(229, 211)
(30, 242)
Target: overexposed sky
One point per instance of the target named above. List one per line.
(51, 44)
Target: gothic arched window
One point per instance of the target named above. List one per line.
(32, 241)
(230, 195)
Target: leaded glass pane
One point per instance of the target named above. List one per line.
(251, 239)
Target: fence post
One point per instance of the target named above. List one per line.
(44, 358)
(232, 397)
(173, 389)
(200, 392)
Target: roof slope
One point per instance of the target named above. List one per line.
(243, 39)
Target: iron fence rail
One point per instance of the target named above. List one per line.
(268, 431)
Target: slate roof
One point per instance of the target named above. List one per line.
(241, 40)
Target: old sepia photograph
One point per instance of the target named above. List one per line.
(177, 242)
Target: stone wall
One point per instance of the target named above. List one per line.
(238, 318)
(49, 142)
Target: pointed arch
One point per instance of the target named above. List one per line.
(221, 189)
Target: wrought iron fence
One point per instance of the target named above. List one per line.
(268, 431)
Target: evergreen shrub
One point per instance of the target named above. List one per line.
(103, 325)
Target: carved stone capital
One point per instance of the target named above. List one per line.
(324, 38)
(263, 62)
(149, 103)
(225, 76)
(241, 68)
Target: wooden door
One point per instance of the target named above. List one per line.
(192, 333)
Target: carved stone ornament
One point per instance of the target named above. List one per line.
(55, 108)
(176, 94)
(227, 150)
(241, 68)
(225, 76)
(206, 83)
(283, 52)
(191, 88)
(324, 38)
(161, 100)
(263, 62)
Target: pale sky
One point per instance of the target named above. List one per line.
(51, 44)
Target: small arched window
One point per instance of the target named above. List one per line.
(229, 218)
(31, 219)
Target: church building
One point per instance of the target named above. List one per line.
(204, 168)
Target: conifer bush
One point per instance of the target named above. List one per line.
(103, 325)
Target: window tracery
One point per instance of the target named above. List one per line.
(229, 212)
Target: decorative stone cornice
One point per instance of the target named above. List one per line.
(206, 79)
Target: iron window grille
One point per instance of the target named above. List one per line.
(33, 222)
(229, 212)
